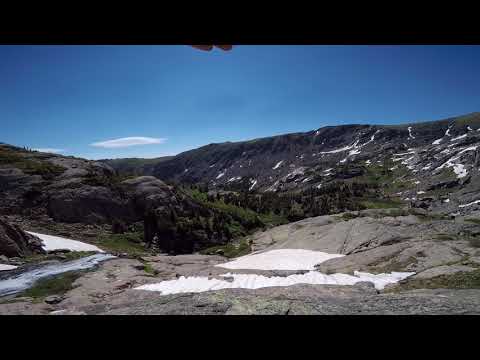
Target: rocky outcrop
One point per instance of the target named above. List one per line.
(14, 242)
(379, 241)
(300, 160)
(89, 204)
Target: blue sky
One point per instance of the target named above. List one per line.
(70, 97)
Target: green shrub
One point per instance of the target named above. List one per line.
(56, 285)
(229, 250)
(129, 243)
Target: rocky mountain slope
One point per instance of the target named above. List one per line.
(435, 163)
(60, 189)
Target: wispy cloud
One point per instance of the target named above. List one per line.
(50, 150)
(128, 141)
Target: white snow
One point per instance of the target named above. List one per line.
(371, 139)
(280, 259)
(417, 182)
(447, 133)
(253, 281)
(368, 162)
(4, 267)
(469, 204)
(56, 242)
(459, 137)
(469, 128)
(471, 148)
(405, 162)
(459, 169)
(420, 192)
(277, 165)
(341, 149)
(319, 186)
(273, 187)
(254, 182)
(427, 167)
(186, 170)
(437, 142)
(446, 200)
(234, 179)
(221, 174)
(410, 133)
(353, 152)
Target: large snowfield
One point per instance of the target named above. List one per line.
(252, 281)
(283, 259)
(56, 242)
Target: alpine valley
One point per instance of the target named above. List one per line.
(370, 219)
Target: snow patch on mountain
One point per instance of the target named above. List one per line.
(277, 165)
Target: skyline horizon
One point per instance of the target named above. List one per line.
(63, 152)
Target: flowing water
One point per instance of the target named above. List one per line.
(19, 281)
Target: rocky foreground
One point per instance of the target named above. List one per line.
(444, 254)
(109, 290)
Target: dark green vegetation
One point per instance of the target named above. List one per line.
(229, 250)
(25, 161)
(57, 285)
(149, 269)
(278, 208)
(135, 166)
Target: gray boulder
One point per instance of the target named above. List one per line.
(16, 243)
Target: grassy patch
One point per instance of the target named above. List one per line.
(431, 217)
(474, 242)
(460, 280)
(229, 250)
(382, 203)
(444, 237)
(149, 269)
(57, 285)
(473, 220)
(395, 265)
(29, 166)
(129, 243)
(348, 216)
(273, 219)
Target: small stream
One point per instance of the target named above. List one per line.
(15, 281)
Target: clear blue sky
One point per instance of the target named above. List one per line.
(68, 97)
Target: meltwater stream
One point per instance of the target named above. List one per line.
(22, 281)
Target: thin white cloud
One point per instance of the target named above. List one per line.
(50, 150)
(128, 141)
